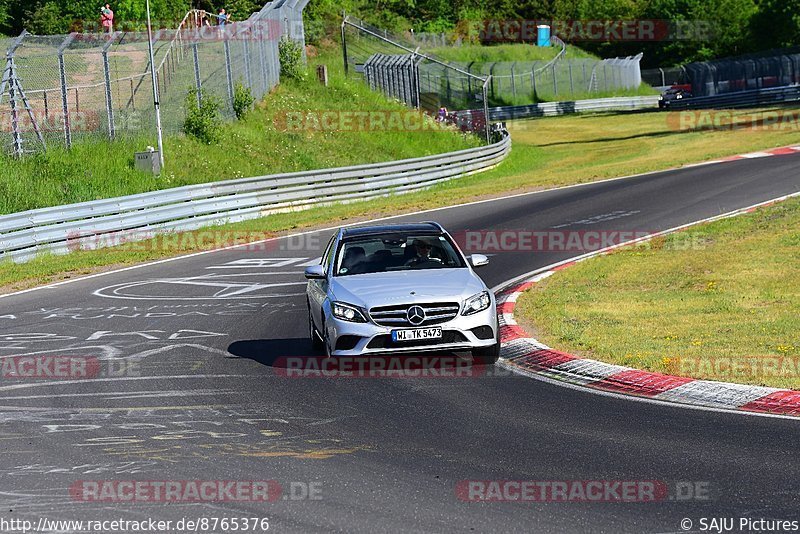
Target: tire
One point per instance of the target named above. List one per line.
(486, 355)
(325, 345)
(316, 339)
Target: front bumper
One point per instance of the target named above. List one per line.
(461, 333)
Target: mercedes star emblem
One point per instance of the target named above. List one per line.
(415, 315)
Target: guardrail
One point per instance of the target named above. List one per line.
(100, 223)
(547, 109)
(740, 99)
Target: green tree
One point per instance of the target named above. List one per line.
(4, 17)
(61, 16)
(242, 9)
(48, 19)
(776, 24)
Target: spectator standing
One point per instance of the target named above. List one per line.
(107, 19)
(222, 19)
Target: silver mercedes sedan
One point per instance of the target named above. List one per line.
(397, 289)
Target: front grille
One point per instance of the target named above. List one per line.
(385, 341)
(396, 315)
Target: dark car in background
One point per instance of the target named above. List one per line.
(672, 95)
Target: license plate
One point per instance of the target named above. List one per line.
(417, 334)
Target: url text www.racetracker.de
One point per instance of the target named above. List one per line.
(186, 524)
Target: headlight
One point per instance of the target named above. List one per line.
(679, 96)
(477, 303)
(347, 312)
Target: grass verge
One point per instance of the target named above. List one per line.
(546, 153)
(725, 308)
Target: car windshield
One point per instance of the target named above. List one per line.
(394, 252)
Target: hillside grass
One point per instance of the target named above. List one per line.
(96, 169)
(546, 152)
(725, 309)
(505, 52)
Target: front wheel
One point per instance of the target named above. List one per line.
(487, 355)
(316, 339)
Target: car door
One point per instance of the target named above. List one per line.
(318, 289)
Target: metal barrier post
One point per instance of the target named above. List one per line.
(262, 61)
(9, 79)
(571, 86)
(62, 71)
(491, 78)
(12, 95)
(344, 43)
(247, 75)
(513, 81)
(107, 75)
(197, 80)
(228, 73)
(486, 108)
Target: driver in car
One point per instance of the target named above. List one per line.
(423, 249)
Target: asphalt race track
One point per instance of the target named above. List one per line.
(379, 455)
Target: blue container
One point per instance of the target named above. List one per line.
(542, 35)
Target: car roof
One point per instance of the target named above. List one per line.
(430, 228)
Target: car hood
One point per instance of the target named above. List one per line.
(383, 289)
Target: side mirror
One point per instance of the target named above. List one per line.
(315, 272)
(478, 260)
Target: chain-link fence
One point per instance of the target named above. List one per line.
(435, 83)
(459, 85)
(775, 68)
(525, 82)
(663, 78)
(57, 89)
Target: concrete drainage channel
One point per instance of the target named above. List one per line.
(527, 356)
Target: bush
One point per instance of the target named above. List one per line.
(315, 31)
(202, 121)
(291, 57)
(242, 99)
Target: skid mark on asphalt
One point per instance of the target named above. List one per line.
(599, 218)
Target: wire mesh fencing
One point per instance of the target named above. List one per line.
(526, 82)
(460, 85)
(394, 64)
(663, 78)
(58, 89)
